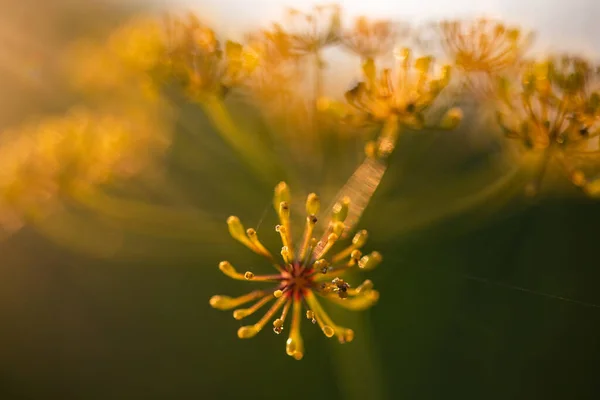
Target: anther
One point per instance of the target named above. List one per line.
(313, 204)
(248, 275)
(370, 261)
(282, 194)
(278, 326)
(360, 238)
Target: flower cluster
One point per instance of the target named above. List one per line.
(401, 98)
(555, 108)
(306, 270)
(482, 49)
(199, 61)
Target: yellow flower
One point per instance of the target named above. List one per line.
(199, 61)
(555, 108)
(303, 273)
(311, 32)
(401, 98)
(483, 48)
(372, 38)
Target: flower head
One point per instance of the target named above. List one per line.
(483, 48)
(372, 38)
(555, 108)
(401, 98)
(303, 273)
(199, 60)
(311, 32)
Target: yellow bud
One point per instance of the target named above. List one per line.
(328, 331)
(286, 254)
(220, 302)
(321, 265)
(282, 194)
(284, 210)
(348, 335)
(365, 286)
(370, 261)
(240, 314)
(236, 229)
(278, 326)
(246, 332)
(360, 238)
(313, 204)
(337, 228)
(227, 268)
(340, 209)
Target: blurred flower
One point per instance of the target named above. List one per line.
(127, 63)
(481, 49)
(276, 78)
(200, 63)
(305, 271)
(555, 109)
(311, 32)
(60, 157)
(401, 99)
(370, 39)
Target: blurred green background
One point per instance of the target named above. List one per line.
(481, 296)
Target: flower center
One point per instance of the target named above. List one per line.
(297, 279)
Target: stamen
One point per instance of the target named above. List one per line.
(244, 312)
(282, 194)
(294, 346)
(248, 237)
(226, 303)
(329, 328)
(286, 254)
(253, 236)
(246, 332)
(312, 243)
(362, 288)
(340, 209)
(331, 239)
(278, 323)
(357, 303)
(237, 231)
(278, 293)
(340, 287)
(285, 237)
(230, 271)
(337, 227)
(314, 317)
(358, 241)
(284, 228)
(313, 204)
(354, 258)
(311, 221)
(370, 261)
